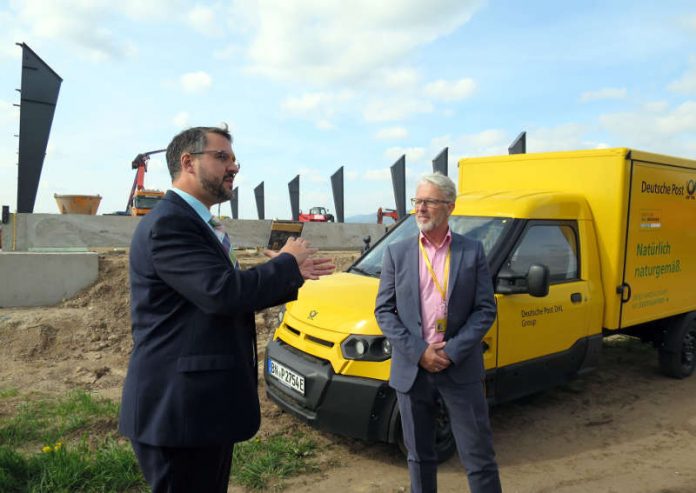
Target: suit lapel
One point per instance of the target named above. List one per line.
(456, 255)
(412, 261)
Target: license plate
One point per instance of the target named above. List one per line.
(286, 376)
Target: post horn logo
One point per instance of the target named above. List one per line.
(691, 189)
(312, 314)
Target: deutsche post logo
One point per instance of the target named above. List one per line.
(312, 314)
(691, 189)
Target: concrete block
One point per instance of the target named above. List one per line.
(39, 279)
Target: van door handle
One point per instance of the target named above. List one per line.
(576, 297)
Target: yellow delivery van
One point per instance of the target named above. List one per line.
(581, 245)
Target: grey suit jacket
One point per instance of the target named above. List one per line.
(470, 311)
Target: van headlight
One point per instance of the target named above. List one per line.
(366, 348)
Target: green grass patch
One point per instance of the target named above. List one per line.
(69, 444)
(60, 468)
(264, 464)
(46, 420)
(9, 392)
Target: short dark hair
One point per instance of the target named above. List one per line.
(190, 140)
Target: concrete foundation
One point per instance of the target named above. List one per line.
(42, 232)
(39, 279)
(45, 258)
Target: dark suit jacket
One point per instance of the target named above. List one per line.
(192, 375)
(470, 311)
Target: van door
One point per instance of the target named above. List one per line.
(542, 341)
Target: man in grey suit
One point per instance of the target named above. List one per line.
(435, 303)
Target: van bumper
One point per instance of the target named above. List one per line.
(356, 407)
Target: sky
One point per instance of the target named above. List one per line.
(308, 86)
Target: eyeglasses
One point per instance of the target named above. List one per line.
(222, 156)
(429, 203)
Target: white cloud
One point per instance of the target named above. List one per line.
(382, 174)
(669, 131)
(691, 22)
(451, 90)
(334, 40)
(77, 23)
(413, 154)
(398, 79)
(686, 84)
(181, 119)
(603, 94)
(391, 133)
(319, 107)
(312, 175)
(568, 136)
(205, 20)
(195, 81)
(394, 109)
(486, 143)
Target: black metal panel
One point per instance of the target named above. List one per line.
(234, 203)
(337, 188)
(294, 189)
(260, 201)
(398, 174)
(519, 145)
(440, 162)
(39, 94)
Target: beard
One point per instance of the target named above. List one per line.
(427, 225)
(216, 187)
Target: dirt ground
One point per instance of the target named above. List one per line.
(622, 428)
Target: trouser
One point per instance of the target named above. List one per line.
(468, 414)
(185, 469)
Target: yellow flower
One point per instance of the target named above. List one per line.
(57, 446)
(47, 449)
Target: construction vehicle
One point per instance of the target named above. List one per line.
(316, 215)
(382, 213)
(581, 245)
(142, 200)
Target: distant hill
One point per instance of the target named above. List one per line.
(368, 218)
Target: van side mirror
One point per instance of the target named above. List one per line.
(538, 280)
(535, 282)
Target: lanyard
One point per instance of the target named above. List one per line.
(442, 289)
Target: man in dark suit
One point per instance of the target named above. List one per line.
(435, 303)
(190, 393)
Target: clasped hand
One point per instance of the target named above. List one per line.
(310, 268)
(434, 359)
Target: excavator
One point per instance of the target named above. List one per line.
(141, 200)
(382, 213)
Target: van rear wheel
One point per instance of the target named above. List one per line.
(445, 445)
(677, 355)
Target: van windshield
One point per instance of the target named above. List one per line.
(487, 230)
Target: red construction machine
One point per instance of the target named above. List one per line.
(141, 200)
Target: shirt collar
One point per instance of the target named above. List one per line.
(446, 241)
(196, 204)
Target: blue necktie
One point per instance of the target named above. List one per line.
(224, 239)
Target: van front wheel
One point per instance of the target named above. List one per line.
(678, 352)
(445, 446)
